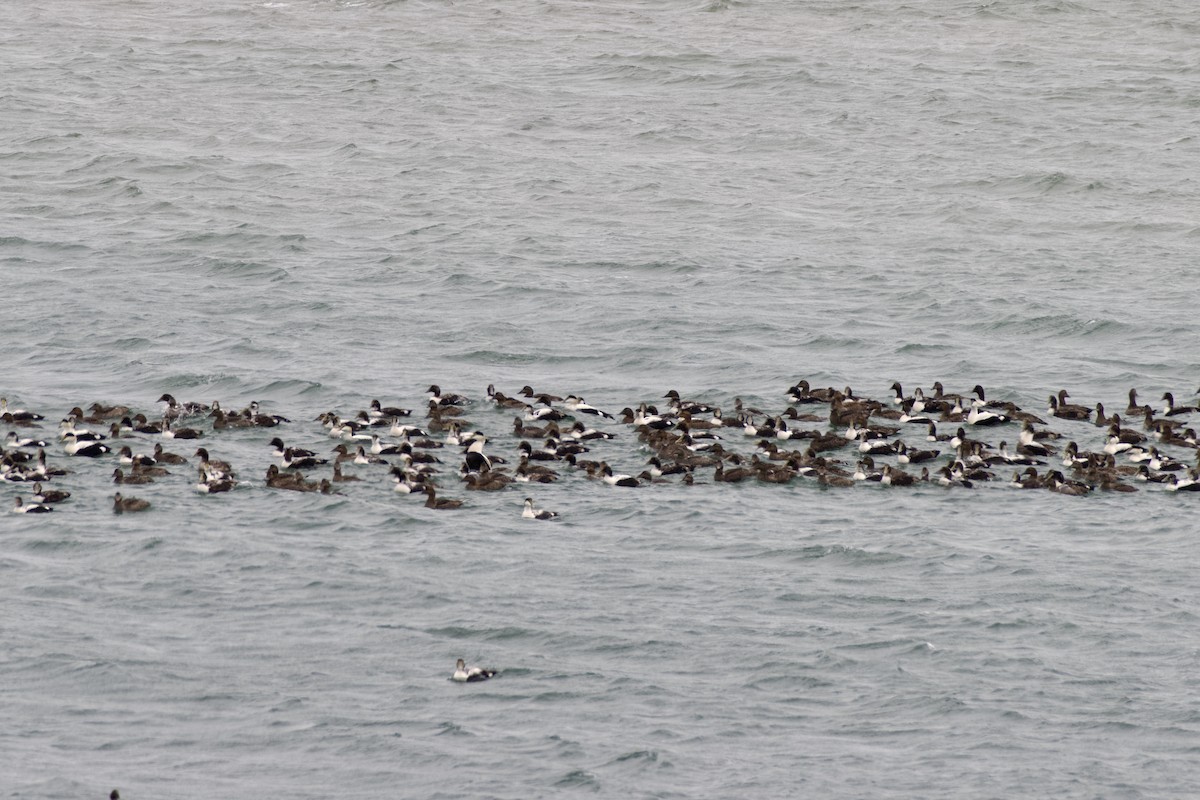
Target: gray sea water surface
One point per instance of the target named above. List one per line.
(312, 204)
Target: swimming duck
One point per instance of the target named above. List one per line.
(295, 458)
(141, 424)
(1170, 409)
(1134, 406)
(1059, 407)
(525, 450)
(581, 433)
(407, 481)
(214, 484)
(948, 477)
(439, 503)
(1055, 482)
(41, 495)
(616, 479)
(1174, 484)
(163, 457)
(119, 476)
(529, 512)
(1144, 474)
(19, 507)
(281, 451)
(981, 400)
(211, 465)
(361, 456)
(896, 477)
(906, 456)
(541, 397)
(122, 505)
(934, 436)
(576, 405)
(474, 459)
(898, 398)
(909, 413)
(175, 409)
(658, 469)
(86, 449)
(277, 479)
(493, 481)
(126, 456)
(523, 431)
(1160, 462)
(379, 411)
(864, 470)
(645, 415)
(828, 479)
(398, 429)
(543, 413)
(801, 393)
(502, 400)
(449, 399)
(678, 405)
(152, 470)
(419, 457)
(472, 675)
(1020, 459)
(526, 472)
(169, 432)
(18, 414)
(69, 429)
(338, 477)
(222, 421)
(735, 475)
(378, 448)
(977, 416)
(14, 441)
(1030, 479)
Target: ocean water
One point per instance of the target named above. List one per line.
(312, 204)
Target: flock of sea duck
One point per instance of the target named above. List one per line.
(834, 438)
